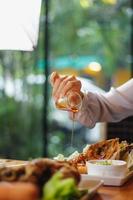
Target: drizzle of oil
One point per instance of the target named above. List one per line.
(63, 106)
(73, 126)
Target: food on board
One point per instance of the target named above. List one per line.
(39, 175)
(37, 171)
(35, 178)
(104, 150)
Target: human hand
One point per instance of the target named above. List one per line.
(62, 85)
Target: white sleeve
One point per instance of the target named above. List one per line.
(112, 106)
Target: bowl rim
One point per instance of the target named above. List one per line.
(114, 163)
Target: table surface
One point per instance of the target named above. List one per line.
(124, 192)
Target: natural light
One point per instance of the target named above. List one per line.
(19, 24)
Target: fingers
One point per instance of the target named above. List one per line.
(57, 87)
(54, 76)
(60, 92)
(72, 85)
(63, 85)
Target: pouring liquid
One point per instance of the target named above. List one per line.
(72, 134)
(71, 103)
(62, 106)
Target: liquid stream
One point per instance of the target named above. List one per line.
(74, 110)
(72, 134)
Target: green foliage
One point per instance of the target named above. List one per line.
(58, 188)
(101, 30)
(19, 130)
(20, 112)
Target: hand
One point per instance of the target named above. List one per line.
(63, 85)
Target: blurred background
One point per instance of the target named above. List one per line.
(87, 38)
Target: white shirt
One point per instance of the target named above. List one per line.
(112, 106)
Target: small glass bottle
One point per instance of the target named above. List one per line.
(71, 102)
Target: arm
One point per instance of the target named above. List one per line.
(113, 106)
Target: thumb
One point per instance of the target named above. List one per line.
(53, 77)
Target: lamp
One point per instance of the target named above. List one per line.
(19, 24)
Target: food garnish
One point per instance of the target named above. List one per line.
(58, 188)
(111, 149)
(60, 157)
(104, 162)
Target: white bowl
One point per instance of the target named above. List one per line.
(106, 168)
